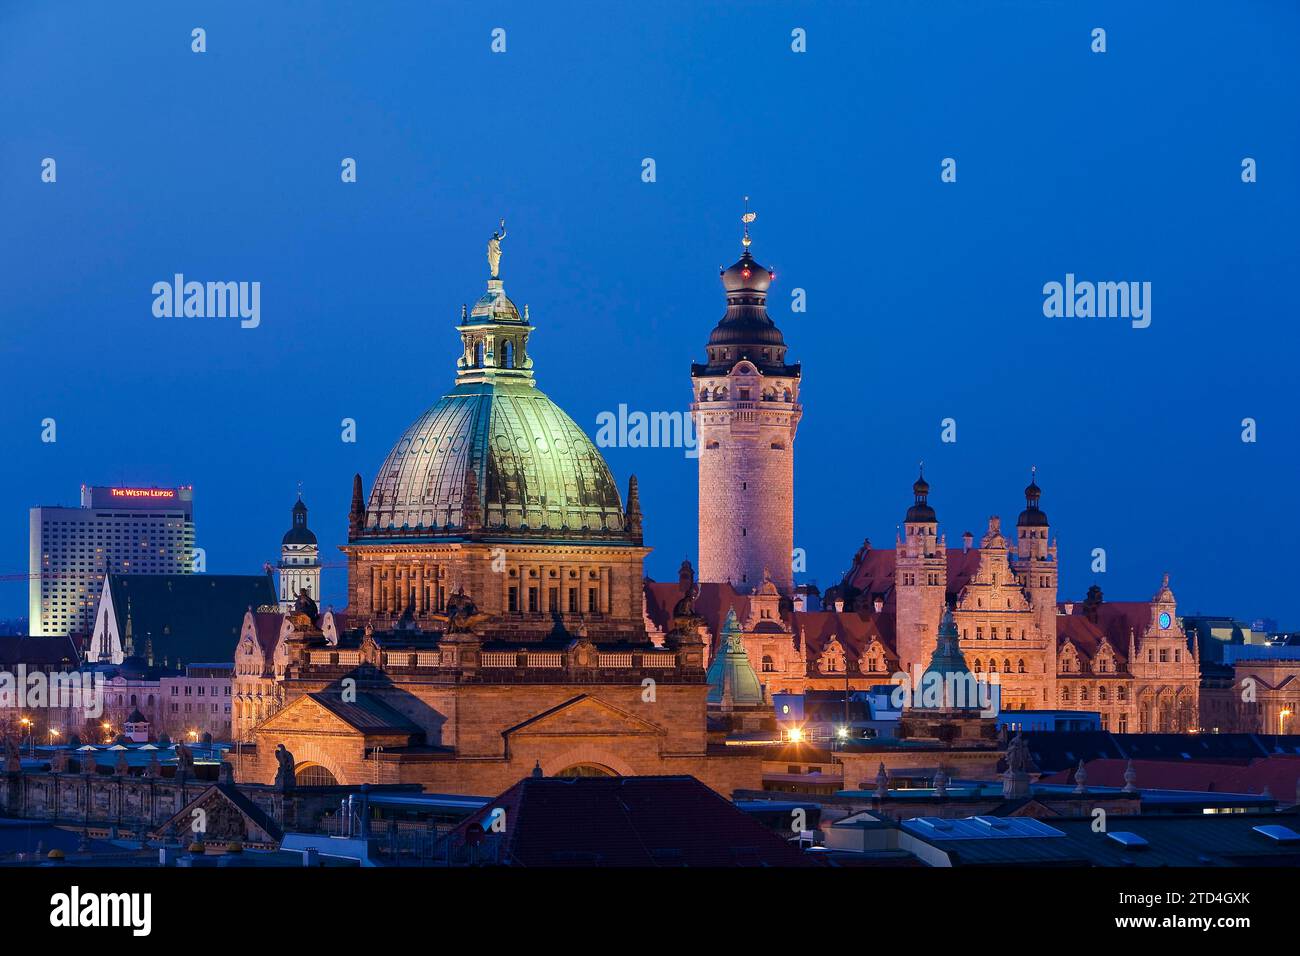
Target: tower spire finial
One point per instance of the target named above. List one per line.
(747, 218)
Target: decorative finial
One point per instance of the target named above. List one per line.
(300, 491)
(747, 218)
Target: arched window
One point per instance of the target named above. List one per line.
(993, 667)
(768, 664)
(1101, 693)
(979, 666)
(1020, 666)
(506, 357)
(1006, 666)
(1065, 693)
(478, 354)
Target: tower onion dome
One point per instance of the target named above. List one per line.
(745, 330)
(921, 510)
(1032, 516)
(494, 458)
(298, 532)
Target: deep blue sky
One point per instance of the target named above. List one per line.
(924, 298)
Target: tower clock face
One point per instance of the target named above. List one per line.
(1164, 620)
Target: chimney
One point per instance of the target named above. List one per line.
(966, 539)
(878, 604)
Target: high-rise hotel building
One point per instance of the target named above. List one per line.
(115, 531)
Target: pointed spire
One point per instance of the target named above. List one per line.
(357, 513)
(537, 770)
(882, 782)
(128, 648)
(1080, 778)
(940, 784)
(633, 511)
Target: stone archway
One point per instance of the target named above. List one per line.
(587, 756)
(587, 770)
(314, 775)
(309, 754)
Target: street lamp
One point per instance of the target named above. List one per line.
(1282, 718)
(26, 722)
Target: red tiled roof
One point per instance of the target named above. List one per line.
(1117, 619)
(621, 821)
(1279, 773)
(266, 625)
(712, 603)
(854, 631)
(1086, 636)
(873, 573)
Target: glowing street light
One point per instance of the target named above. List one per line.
(796, 735)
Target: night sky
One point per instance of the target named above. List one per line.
(924, 298)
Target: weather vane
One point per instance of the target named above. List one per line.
(747, 218)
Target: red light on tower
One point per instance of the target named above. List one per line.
(744, 273)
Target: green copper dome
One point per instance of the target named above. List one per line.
(732, 681)
(495, 458)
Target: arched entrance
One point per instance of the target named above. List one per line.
(587, 770)
(313, 775)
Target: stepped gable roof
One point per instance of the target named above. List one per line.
(620, 821)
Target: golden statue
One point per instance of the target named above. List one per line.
(494, 249)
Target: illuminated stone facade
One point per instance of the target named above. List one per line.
(495, 620)
(746, 412)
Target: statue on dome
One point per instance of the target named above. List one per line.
(494, 249)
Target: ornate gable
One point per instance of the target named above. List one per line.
(583, 716)
(221, 814)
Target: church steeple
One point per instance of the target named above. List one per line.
(299, 559)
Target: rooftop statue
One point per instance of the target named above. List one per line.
(494, 249)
